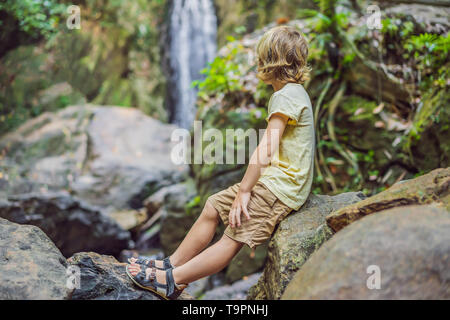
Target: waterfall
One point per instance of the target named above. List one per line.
(193, 28)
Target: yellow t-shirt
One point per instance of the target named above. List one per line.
(290, 173)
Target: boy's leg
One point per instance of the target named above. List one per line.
(208, 262)
(198, 237)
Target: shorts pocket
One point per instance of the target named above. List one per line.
(265, 194)
(285, 212)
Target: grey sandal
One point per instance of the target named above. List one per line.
(167, 291)
(150, 263)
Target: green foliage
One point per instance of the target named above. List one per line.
(327, 7)
(430, 52)
(111, 60)
(23, 85)
(389, 26)
(425, 52)
(431, 48)
(430, 107)
(326, 18)
(240, 30)
(429, 43)
(407, 28)
(342, 19)
(193, 205)
(365, 157)
(318, 21)
(35, 17)
(348, 59)
(221, 75)
(317, 51)
(262, 93)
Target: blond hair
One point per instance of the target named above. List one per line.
(282, 53)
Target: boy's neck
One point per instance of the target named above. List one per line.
(277, 85)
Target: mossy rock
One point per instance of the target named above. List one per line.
(428, 140)
(431, 187)
(295, 239)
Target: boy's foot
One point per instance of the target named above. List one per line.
(135, 268)
(159, 264)
(155, 280)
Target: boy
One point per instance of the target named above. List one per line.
(278, 178)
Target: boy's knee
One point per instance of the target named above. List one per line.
(229, 241)
(209, 212)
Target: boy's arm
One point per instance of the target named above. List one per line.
(259, 160)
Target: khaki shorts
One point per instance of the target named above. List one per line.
(265, 210)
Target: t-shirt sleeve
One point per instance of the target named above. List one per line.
(284, 105)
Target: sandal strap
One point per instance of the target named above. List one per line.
(172, 291)
(166, 263)
(149, 263)
(150, 280)
(168, 290)
(141, 277)
(144, 260)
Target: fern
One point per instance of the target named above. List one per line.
(429, 42)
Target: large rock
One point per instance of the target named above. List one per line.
(408, 247)
(31, 267)
(432, 18)
(113, 157)
(129, 219)
(104, 278)
(45, 153)
(431, 187)
(296, 238)
(129, 158)
(70, 223)
(235, 291)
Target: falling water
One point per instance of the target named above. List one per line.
(193, 28)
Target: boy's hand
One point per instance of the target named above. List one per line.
(239, 205)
